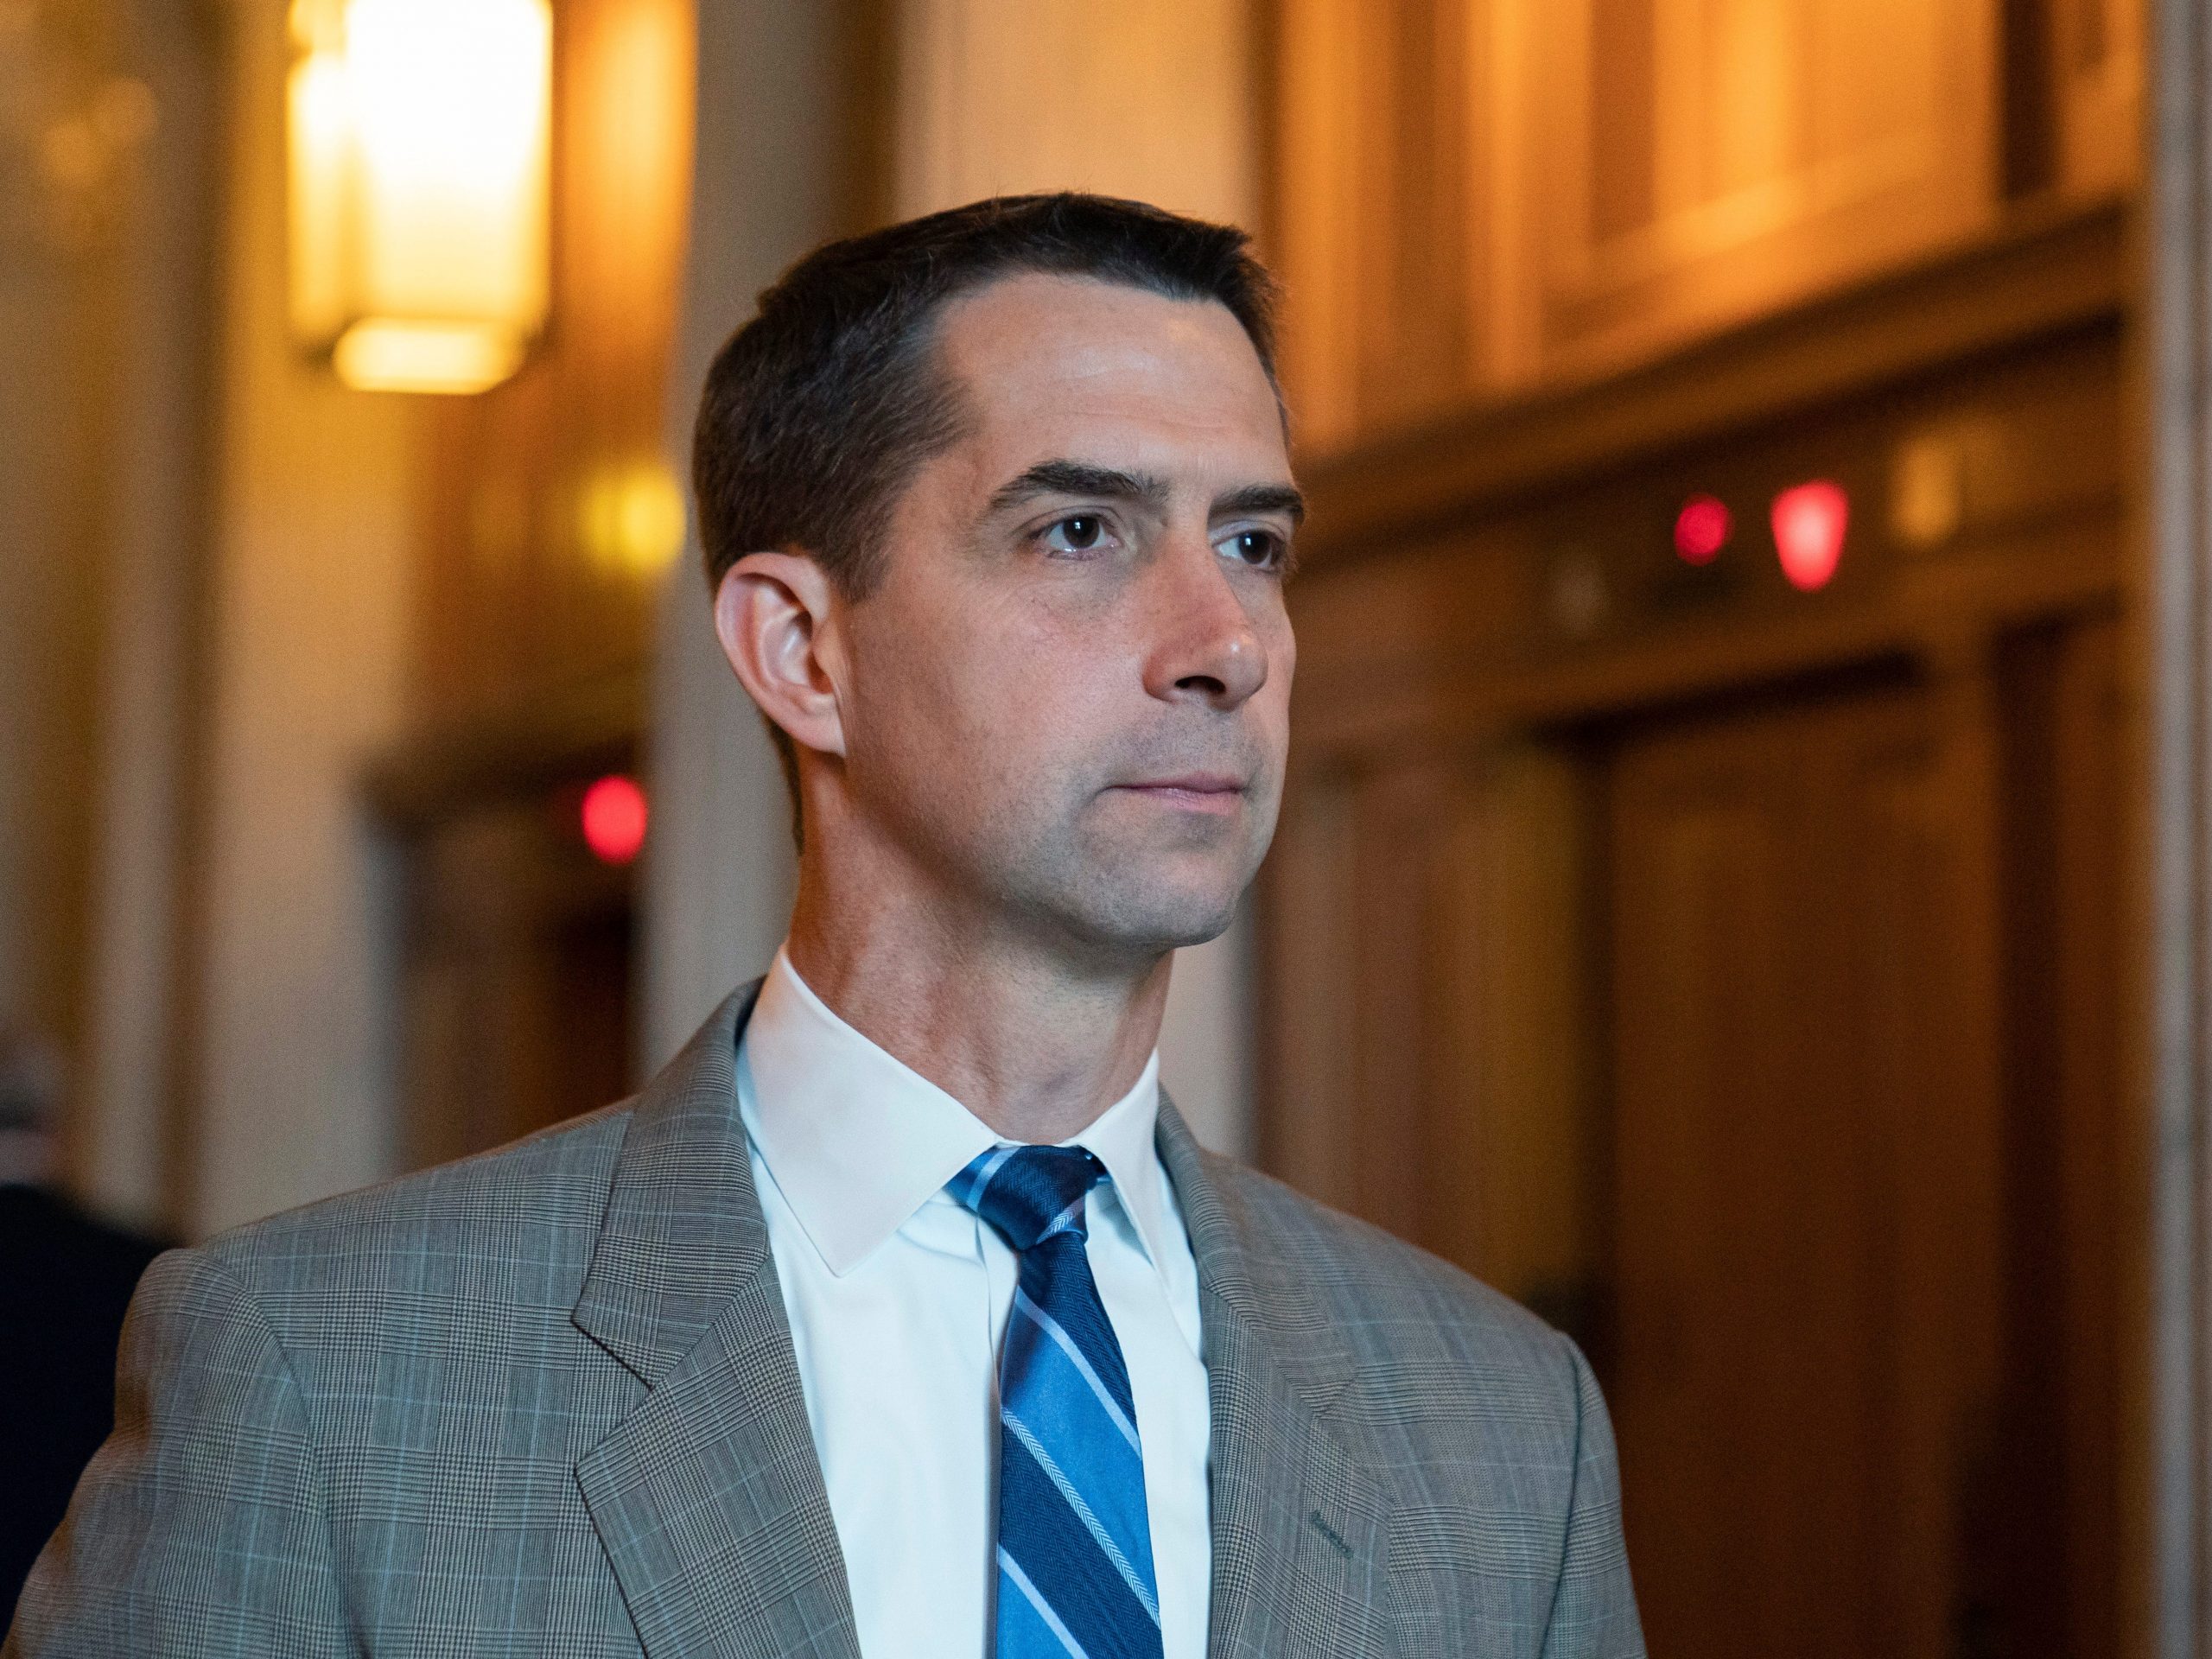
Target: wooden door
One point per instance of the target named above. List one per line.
(1807, 1227)
(517, 974)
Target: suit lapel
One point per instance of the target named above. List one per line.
(1298, 1526)
(709, 1496)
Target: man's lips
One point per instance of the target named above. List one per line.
(1196, 791)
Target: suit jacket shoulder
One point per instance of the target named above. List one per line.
(1408, 1316)
(319, 1412)
(1478, 1429)
(521, 1219)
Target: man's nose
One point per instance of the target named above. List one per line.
(1203, 644)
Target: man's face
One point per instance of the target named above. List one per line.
(1068, 695)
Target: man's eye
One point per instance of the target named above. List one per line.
(1260, 548)
(1080, 532)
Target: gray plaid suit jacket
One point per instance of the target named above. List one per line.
(544, 1402)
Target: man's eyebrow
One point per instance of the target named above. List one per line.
(1262, 497)
(1079, 478)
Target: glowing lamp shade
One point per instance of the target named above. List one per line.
(615, 817)
(1702, 529)
(419, 143)
(1810, 521)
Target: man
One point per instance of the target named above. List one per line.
(901, 1315)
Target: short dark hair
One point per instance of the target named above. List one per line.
(817, 413)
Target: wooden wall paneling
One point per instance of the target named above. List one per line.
(1677, 837)
(2027, 99)
(1804, 1232)
(1478, 199)
(1464, 1212)
(1392, 987)
(2064, 1164)
(2042, 1246)
(1423, 326)
(1937, 1052)
(1315, 148)
(1516, 1158)
(1432, 1017)
(1385, 147)
(2098, 65)
(1367, 993)
(1919, 1137)
(1463, 629)
(2054, 273)
(1311, 925)
(1908, 1040)
(1701, 161)
(2093, 775)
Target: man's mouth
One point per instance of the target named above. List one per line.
(1194, 792)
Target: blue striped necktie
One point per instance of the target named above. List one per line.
(1075, 1546)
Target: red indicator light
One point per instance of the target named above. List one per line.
(1702, 529)
(1809, 521)
(614, 818)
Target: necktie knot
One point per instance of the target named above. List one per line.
(1030, 1193)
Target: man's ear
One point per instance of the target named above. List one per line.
(773, 615)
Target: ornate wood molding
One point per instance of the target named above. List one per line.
(2044, 275)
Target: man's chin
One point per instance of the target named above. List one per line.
(1154, 920)
(1133, 896)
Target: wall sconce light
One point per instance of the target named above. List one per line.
(419, 132)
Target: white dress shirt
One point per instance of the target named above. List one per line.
(898, 1297)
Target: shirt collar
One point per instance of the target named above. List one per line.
(858, 1140)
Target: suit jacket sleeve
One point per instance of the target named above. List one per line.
(200, 1527)
(1593, 1610)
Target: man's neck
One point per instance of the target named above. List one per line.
(1034, 1046)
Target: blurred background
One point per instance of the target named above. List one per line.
(1713, 900)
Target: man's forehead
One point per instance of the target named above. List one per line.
(1036, 331)
(1041, 361)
